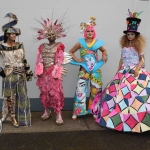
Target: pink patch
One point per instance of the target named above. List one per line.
(131, 122)
(113, 113)
(116, 77)
(122, 85)
(117, 108)
(105, 106)
(113, 94)
(112, 88)
(119, 127)
(127, 96)
(141, 115)
(125, 117)
(133, 86)
(130, 79)
(120, 75)
(105, 113)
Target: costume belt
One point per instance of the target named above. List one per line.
(19, 70)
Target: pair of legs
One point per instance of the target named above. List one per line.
(16, 100)
(51, 96)
(95, 78)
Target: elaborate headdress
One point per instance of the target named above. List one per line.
(8, 28)
(48, 26)
(91, 23)
(133, 22)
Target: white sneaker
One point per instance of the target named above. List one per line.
(74, 117)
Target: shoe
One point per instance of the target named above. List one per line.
(59, 120)
(46, 115)
(94, 117)
(74, 117)
(14, 122)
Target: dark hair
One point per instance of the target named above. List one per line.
(5, 37)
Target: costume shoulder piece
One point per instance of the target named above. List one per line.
(5, 48)
(97, 44)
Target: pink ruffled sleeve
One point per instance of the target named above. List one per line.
(39, 63)
(59, 57)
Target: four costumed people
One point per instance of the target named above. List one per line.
(14, 71)
(49, 68)
(125, 105)
(89, 69)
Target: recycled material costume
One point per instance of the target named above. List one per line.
(14, 70)
(49, 69)
(125, 103)
(89, 70)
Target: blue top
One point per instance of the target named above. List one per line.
(91, 62)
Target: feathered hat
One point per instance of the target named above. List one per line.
(133, 22)
(48, 26)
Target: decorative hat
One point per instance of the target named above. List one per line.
(133, 22)
(8, 28)
(48, 26)
(91, 23)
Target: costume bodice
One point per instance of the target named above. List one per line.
(130, 56)
(89, 54)
(48, 54)
(12, 56)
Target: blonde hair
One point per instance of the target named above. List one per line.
(138, 42)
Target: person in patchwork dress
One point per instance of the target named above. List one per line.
(14, 71)
(125, 104)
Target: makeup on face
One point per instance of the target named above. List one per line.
(130, 34)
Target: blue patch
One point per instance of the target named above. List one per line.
(102, 122)
(142, 77)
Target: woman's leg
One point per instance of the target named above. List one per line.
(95, 91)
(79, 107)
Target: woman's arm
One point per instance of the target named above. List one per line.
(136, 71)
(73, 50)
(104, 53)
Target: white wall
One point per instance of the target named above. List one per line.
(110, 15)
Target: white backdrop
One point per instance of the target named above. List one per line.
(111, 21)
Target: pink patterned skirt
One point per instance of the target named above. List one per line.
(51, 91)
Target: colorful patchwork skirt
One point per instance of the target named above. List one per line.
(125, 104)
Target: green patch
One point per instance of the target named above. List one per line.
(116, 120)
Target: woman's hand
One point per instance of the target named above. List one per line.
(136, 72)
(40, 76)
(80, 60)
(104, 58)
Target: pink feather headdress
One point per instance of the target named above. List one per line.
(49, 26)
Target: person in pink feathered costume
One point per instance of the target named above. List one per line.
(49, 69)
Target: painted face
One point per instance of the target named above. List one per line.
(11, 36)
(81, 89)
(130, 36)
(51, 35)
(89, 33)
(90, 61)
